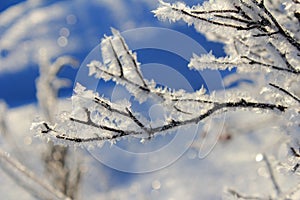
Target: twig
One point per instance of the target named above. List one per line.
(214, 11)
(283, 57)
(286, 92)
(246, 197)
(135, 64)
(211, 21)
(16, 165)
(283, 32)
(273, 179)
(265, 34)
(117, 58)
(252, 61)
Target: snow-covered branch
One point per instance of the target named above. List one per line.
(253, 34)
(104, 120)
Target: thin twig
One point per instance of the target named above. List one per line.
(246, 197)
(124, 79)
(283, 57)
(211, 21)
(135, 64)
(286, 92)
(252, 61)
(271, 173)
(214, 11)
(15, 164)
(117, 58)
(265, 34)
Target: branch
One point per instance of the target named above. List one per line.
(213, 22)
(89, 122)
(283, 57)
(201, 63)
(274, 182)
(283, 32)
(117, 59)
(233, 18)
(252, 61)
(121, 78)
(296, 167)
(214, 11)
(127, 114)
(195, 100)
(265, 34)
(134, 62)
(294, 152)
(219, 106)
(14, 164)
(246, 197)
(139, 123)
(118, 133)
(273, 179)
(285, 91)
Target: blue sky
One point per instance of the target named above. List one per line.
(93, 20)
